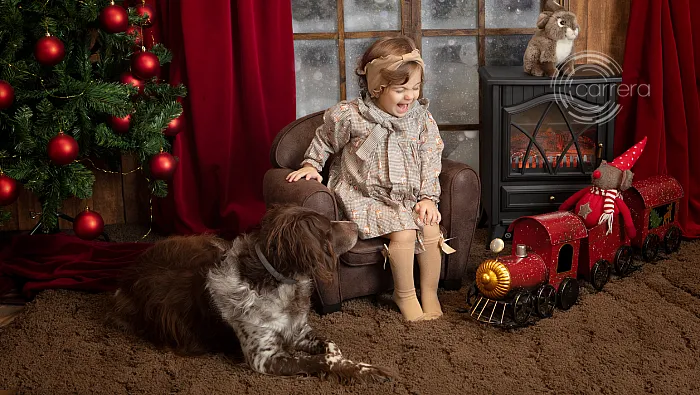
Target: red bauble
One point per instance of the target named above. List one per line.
(7, 95)
(163, 166)
(128, 78)
(145, 65)
(49, 51)
(136, 32)
(146, 11)
(88, 224)
(120, 125)
(175, 126)
(9, 190)
(114, 19)
(62, 149)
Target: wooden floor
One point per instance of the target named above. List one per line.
(8, 313)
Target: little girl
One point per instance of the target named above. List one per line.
(386, 178)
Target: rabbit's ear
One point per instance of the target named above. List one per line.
(552, 5)
(543, 19)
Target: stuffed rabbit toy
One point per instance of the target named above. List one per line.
(549, 48)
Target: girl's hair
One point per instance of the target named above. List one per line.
(398, 46)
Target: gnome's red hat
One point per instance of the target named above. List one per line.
(627, 160)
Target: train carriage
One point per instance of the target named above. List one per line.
(654, 204)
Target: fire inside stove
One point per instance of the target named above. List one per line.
(557, 151)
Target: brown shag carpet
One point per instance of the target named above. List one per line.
(641, 334)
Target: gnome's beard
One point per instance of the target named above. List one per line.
(608, 206)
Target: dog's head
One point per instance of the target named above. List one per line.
(299, 240)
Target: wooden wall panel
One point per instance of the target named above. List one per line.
(603, 26)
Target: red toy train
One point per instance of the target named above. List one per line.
(552, 251)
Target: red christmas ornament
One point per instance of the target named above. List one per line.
(146, 11)
(175, 126)
(9, 190)
(136, 32)
(120, 125)
(62, 149)
(145, 65)
(114, 19)
(128, 78)
(88, 224)
(163, 166)
(49, 51)
(7, 95)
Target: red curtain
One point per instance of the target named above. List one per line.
(662, 59)
(38, 262)
(236, 58)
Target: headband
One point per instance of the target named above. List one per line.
(375, 81)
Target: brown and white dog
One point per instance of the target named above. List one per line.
(198, 294)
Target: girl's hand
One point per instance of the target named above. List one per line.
(427, 212)
(308, 172)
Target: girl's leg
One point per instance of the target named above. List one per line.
(401, 254)
(429, 262)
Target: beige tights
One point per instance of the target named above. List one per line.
(401, 251)
(429, 262)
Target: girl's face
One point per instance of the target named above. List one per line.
(397, 99)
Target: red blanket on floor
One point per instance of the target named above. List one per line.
(40, 262)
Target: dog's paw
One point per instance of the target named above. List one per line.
(369, 372)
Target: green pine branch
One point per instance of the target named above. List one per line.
(77, 96)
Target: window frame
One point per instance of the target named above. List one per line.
(411, 26)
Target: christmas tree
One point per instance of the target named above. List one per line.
(77, 84)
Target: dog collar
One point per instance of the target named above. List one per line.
(271, 269)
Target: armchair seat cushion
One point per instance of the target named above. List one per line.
(365, 252)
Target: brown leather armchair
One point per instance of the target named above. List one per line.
(361, 270)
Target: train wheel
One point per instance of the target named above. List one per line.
(672, 239)
(600, 274)
(650, 248)
(568, 293)
(545, 301)
(623, 260)
(472, 293)
(522, 307)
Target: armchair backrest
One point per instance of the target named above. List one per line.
(291, 143)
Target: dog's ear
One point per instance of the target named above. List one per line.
(298, 240)
(344, 236)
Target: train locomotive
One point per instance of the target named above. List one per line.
(552, 252)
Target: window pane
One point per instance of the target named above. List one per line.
(363, 15)
(314, 16)
(451, 78)
(462, 146)
(512, 13)
(317, 76)
(354, 49)
(506, 50)
(449, 14)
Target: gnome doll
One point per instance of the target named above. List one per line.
(601, 202)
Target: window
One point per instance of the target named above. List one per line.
(455, 37)
(565, 260)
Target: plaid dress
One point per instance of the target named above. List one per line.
(386, 164)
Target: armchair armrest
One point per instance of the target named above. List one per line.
(316, 196)
(459, 207)
(306, 193)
